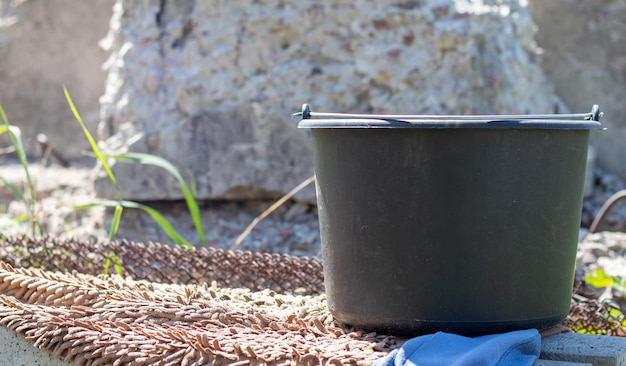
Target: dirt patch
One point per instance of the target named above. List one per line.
(292, 229)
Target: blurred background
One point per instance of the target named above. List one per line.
(210, 86)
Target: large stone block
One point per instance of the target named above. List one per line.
(210, 85)
(584, 54)
(46, 44)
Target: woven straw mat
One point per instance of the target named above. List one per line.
(174, 306)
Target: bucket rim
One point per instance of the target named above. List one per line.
(450, 124)
(577, 121)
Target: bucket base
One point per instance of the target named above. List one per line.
(416, 327)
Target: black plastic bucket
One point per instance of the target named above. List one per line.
(462, 225)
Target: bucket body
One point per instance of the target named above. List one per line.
(465, 230)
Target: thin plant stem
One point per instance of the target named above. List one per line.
(271, 209)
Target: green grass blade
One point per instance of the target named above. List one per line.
(115, 224)
(190, 196)
(16, 192)
(15, 134)
(117, 264)
(165, 225)
(107, 264)
(156, 216)
(6, 222)
(92, 143)
(21, 218)
(598, 278)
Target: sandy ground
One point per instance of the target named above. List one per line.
(293, 228)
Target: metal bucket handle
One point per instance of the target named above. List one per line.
(594, 115)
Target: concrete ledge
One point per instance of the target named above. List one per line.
(17, 351)
(565, 349)
(559, 363)
(585, 348)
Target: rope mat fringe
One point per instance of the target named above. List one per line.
(162, 263)
(259, 309)
(109, 320)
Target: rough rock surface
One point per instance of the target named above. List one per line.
(584, 56)
(210, 85)
(45, 45)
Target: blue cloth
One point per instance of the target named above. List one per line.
(520, 347)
